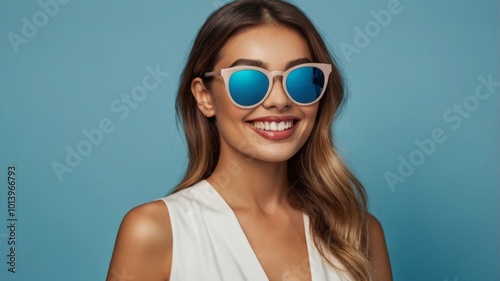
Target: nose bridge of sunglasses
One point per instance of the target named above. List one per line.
(277, 76)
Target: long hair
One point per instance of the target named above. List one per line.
(321, 184)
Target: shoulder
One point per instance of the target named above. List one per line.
(378, 254)
(147, 224)
(374, 226)
(144, 243)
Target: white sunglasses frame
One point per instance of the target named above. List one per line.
(227, 72)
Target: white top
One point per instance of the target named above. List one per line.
(209, 243)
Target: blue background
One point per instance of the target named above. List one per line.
(441, 222)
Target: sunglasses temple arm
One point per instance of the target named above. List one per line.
(213, 73)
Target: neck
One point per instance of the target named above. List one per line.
(251, 184)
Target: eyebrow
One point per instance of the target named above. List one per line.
(261, 64)
(257, 63)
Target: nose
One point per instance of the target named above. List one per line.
(277, 97)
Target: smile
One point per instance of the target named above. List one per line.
(274, 126)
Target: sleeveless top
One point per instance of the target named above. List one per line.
(209, 243)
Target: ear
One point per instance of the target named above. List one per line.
(203, 97)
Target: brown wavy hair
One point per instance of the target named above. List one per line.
(321, 184)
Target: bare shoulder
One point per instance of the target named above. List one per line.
(147, 225)
(379, 256)
(374, 225)
(143, 247)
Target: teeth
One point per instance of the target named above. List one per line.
(273, 126)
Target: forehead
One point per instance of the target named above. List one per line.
(274, 45)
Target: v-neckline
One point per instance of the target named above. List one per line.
(243, 239)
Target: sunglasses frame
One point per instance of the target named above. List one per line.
(227, 72)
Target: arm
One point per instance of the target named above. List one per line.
(379, 257)
(143, 248)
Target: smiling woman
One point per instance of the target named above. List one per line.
(265, 196)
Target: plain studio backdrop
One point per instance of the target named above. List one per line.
(87, 124)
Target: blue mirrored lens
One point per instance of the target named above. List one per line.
(305, 84)
(248, 87)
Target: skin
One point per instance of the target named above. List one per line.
(257, 193)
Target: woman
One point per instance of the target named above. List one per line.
(265, 196)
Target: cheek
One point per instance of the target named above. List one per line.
(220, 97)
(311, 113)
(225, 111)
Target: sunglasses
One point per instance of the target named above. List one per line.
(249, 86)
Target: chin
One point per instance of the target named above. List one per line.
(273, 157)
